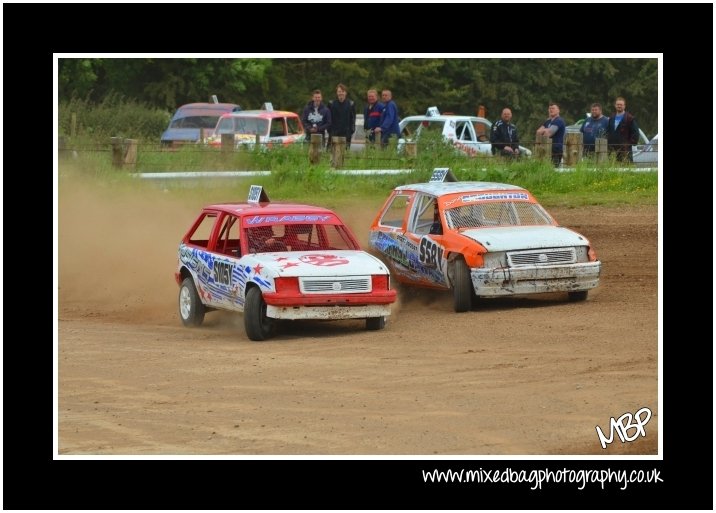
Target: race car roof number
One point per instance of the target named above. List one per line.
(257, 194)
(443, 174)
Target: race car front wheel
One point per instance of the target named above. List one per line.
(461, 286)
(375, 323)
(258, 326)
(191, 309)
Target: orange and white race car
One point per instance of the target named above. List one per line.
(480, 239)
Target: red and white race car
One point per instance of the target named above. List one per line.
(276, 261)
(273, 127)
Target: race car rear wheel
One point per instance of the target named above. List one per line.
(461, 286)
(258, 326)
(191, 309)
(375, 323)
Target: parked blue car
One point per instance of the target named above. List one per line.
(189, 119)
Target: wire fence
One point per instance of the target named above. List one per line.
(360, 153)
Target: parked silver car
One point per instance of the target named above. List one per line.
(645, 153)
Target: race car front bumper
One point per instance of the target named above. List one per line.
(506, 281)
(327, 312)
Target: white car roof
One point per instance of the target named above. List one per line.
(441, 188)
(444, 118)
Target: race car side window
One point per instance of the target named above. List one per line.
(422, 215)
(293, 126)
(394, 213)
(228, 241)
(482, 131)
(277, 128)
(463, 129)
(202, 230)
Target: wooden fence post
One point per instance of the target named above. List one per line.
(130, 152)
(574, 142)
(201, 136)
(73, 125)
(117, 151)
(314, 152)
(338, 151)
(411, 149)
(543, 147)
(600, 149)
(257, 144)
(227, 143)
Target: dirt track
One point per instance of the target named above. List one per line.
(512, 377)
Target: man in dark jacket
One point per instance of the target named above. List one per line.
(343, 116)
(503, 136)
(622, 132)
(371, 114)
(594, 127)
(316, 116)
(389, 119)
(554, 127)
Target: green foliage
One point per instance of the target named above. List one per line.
(294, 178)
(458, 85)
(113, 117)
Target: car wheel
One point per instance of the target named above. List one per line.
(258, 326)
(191, 309)
(375, 323)
(578, 295)
(461, 286)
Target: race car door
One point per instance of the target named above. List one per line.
(472, 140)
(425, 238)
(223, 282)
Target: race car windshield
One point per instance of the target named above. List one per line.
(497, 213)
(414, 128)
(252, 126)
(299, 237)
(195, 122)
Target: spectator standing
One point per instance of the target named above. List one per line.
(554, 127)
(594, 127)
(389, 119)
(503, 136)
(343, 116)
(371, 114)
(622, 132)
(316, 116)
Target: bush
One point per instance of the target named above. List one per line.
(115, 116)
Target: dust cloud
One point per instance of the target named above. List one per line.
(118, 244)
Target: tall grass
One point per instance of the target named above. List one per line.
(294, 178)
(115, 116)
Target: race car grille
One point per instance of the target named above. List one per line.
(542, 257)
(335, 285)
